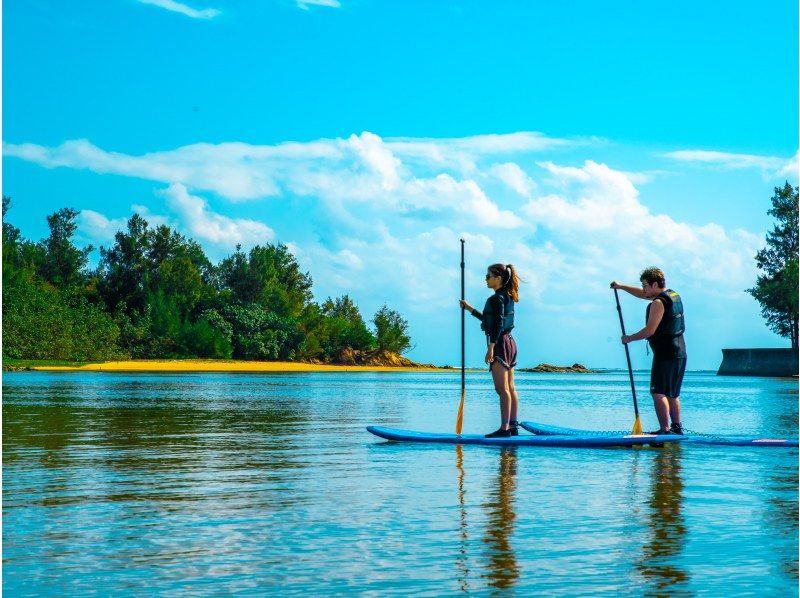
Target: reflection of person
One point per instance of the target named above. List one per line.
(503, 568)
(497, 320)
(461, 558)
(658, 563)
(664, 331)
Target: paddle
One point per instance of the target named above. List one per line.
(460, 416)
(637, 425)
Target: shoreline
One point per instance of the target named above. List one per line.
(213, 365)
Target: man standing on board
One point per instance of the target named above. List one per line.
(664, 331)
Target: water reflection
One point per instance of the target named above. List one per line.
(463, 535)
(660, 562)
(144, 443)
(781, 513)
(503, 569)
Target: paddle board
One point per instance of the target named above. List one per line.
(546, 430)
(569, 440)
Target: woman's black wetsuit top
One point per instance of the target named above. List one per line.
(497, 318)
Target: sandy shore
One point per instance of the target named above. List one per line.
(201, 365)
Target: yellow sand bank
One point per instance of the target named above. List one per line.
(211, 365)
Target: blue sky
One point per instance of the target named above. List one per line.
(582, 141)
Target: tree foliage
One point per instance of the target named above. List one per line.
(391, 331)
(63, 264)
(776, 289)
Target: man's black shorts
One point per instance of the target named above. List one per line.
(666, 377)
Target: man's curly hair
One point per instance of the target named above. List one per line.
(653, 274)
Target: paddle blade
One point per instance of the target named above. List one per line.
(460, 417)
(637, 427)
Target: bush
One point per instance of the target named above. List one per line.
(40, 322)
(259, 334)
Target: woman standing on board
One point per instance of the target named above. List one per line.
(497, 320)
(664, 331)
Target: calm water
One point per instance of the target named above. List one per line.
(235, 483)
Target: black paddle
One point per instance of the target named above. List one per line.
(460, 416)
(637, 425)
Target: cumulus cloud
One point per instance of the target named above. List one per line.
(599, 218)
(414, 269)
(339, 172)
(97, 227)
(171, 5)
(377, 158)
(205, 225)
(514, 177)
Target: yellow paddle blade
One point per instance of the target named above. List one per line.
(637, 426)
(460, 417)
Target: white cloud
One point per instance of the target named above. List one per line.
(462, 153)
(205, 225)
(304, 4)
(376, 157)
(514, 177)
(97, 227)
(600, 219)
(342, 173)
(769, 165)
(171, 5)
(791, 170)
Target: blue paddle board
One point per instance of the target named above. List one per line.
(568, 440)
(547, 431)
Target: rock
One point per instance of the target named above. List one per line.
(575, 368)
(377, 359)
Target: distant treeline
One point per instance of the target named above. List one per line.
(155, 294)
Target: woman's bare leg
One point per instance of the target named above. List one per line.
(501, 386)
(512, 414)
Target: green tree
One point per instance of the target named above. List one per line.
(20, 256)
(124, 268)
(347, 327)
(391, 331)
(776, 289)
(268, 276)
(63, 263)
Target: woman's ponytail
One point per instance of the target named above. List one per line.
(513, 283)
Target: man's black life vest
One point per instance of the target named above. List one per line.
(672, 324)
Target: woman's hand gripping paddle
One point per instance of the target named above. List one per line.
(460, 416)
(637, 425)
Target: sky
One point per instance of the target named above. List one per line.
(581, 141)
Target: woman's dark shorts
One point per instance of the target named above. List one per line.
(666, 377)
(505, 352)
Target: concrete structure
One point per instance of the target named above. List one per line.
(758, 362)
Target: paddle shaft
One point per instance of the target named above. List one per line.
(463, 314)
(460, 416)
(627, 356)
